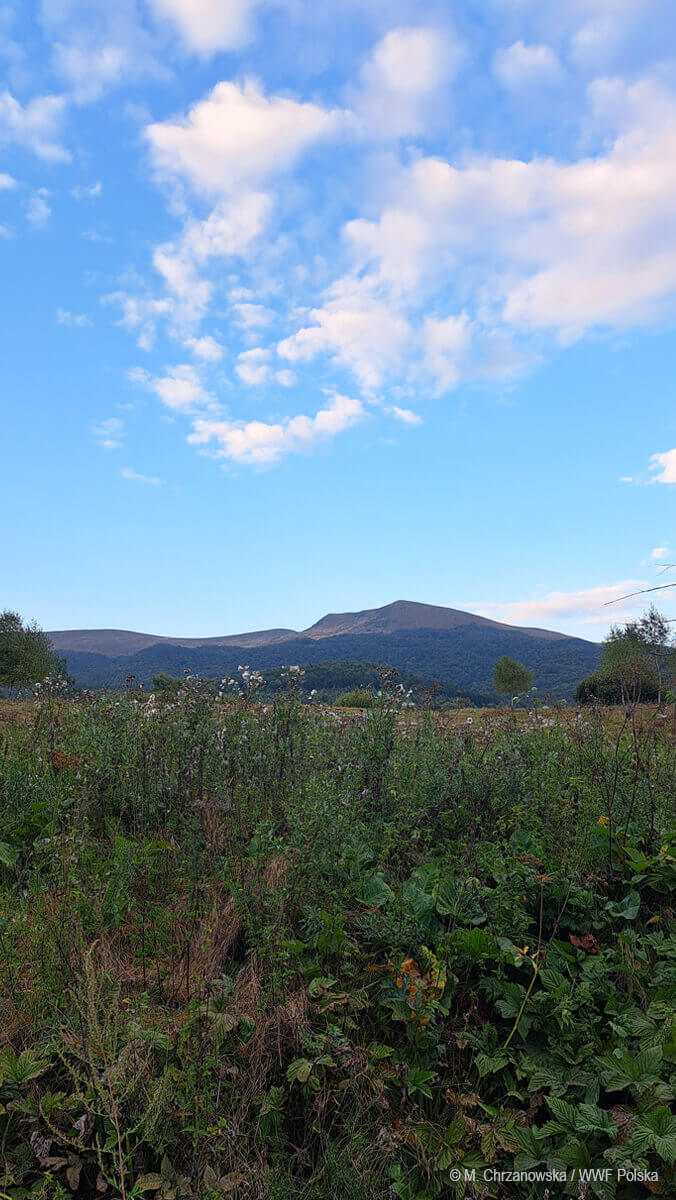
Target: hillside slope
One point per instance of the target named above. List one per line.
(461, 659)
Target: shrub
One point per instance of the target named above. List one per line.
(359, 698)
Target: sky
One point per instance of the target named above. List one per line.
(312, 307)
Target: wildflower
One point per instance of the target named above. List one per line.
(602, 821)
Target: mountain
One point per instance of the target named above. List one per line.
(455, 648)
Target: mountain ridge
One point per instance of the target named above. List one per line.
(397, 617)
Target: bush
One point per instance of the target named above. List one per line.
(603, 689)
(359, 698)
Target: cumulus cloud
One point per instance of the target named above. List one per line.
(6, 182)
(206, 348)
(237, 137)
(539, 245)
(258, 443)
(659, 553)
(401, 79)
(254, 368)
(252, 316)
(519, 66)
(140, 314)
(36, 125)
(180, 389)
(229, 230)
(207, 26)
(357, 329)
(664, 467)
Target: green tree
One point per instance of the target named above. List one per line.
(26, 655)
(510, 677)
(639, 657)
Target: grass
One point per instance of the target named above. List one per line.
(288, 951)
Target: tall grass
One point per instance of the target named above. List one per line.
(275, 951)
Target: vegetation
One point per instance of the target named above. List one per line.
(26, 656)
(269, 950)
(459, 660)
(639, 658)
(329, 682)
(511, 678)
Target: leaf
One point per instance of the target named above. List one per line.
(152, 1182)
(8, 855)
(374, 892)
(299, 1071)
(657, 1131)
(456, 1131)
(210, 1178)
(73, 1176)
(417, 1080)
(565, 1117)
(592, 1119)
(627, 908)
(379, 1051)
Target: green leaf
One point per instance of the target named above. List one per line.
(379, 1051)
(592, 1119)
(374, 892)
(625, 909)
(299, 1071)
(418, 1080)
(8, 855)
(456, 1131)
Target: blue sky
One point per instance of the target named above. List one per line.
(314, 307)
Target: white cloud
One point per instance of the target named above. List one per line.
(252, 316)
(659, 553)
(75, 320)
(180, 389)
(237, 137)
(357, 329)
(38, 211)
(97, 45)
(252, 366)
(6, 182)
(254, 369)
(207, 26)
(536, 245)
(36, 125)
(85, 191)
(401, 79)
(109, 433)
(134, 477)
(140, 315)
(585, 607)
(206, 348)
(258, 443)
(228, 231)
(664, 466)
(90, 70)
(446, 342)
(405, 415)
(519, 66)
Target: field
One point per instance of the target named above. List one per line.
(275, 951)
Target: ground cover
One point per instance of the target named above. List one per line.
(287, 951)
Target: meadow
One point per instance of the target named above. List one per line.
(281, 950)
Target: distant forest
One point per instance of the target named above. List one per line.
(460, 660)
